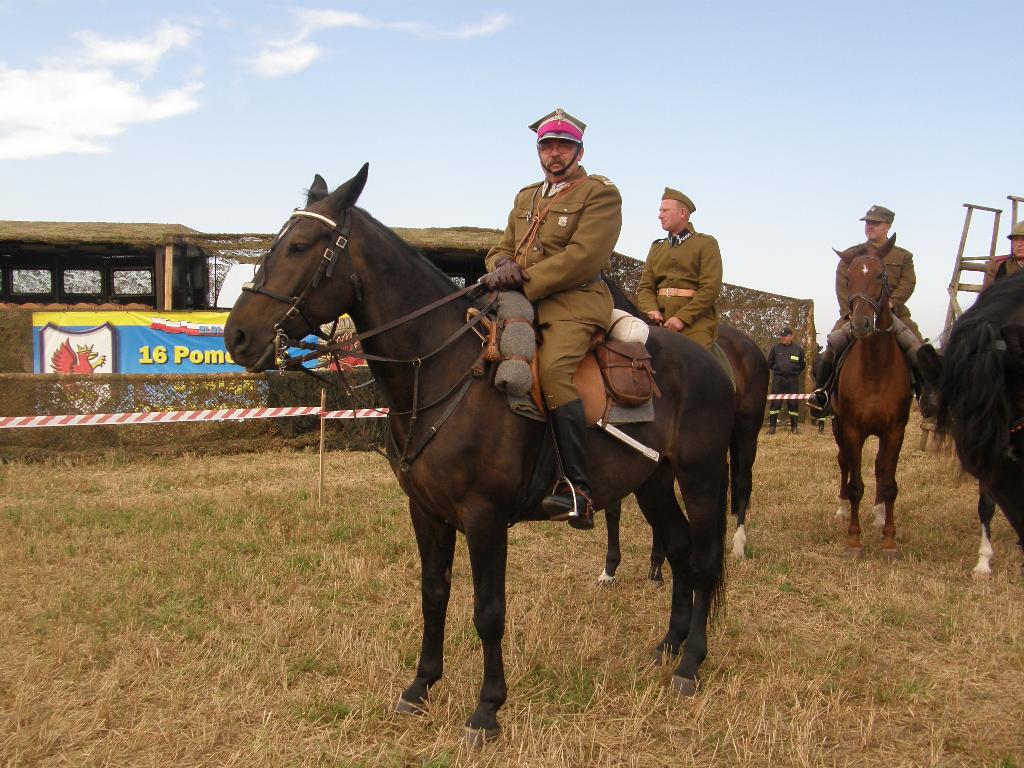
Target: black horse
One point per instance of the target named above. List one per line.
(751, 375)
(463, 458)
(977, 390)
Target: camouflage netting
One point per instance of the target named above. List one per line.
(758, 313)
(49, 394)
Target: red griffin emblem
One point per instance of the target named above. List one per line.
(84, 360)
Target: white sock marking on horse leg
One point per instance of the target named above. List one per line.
(983, 569)
(879, 510)
(739, 543)
(844, 509)
(605, 579)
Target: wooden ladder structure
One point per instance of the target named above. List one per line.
(969, 263)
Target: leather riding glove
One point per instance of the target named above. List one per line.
(507, 276)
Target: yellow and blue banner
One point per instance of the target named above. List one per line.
(130, 342)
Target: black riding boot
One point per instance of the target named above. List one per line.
(819, 398)
(792, 424)
(571, 503)
(773, 422)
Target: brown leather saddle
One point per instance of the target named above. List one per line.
(612, 371)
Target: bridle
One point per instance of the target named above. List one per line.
(875, 304)
(325, 268)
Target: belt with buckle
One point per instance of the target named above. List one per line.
(677, 292)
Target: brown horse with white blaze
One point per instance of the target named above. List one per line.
(872, 397)
(467, 463)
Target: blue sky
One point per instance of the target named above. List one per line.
(783, 121)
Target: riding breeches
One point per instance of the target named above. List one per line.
(563, 345)
(908, 336)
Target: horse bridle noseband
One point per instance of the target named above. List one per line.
(325, 268)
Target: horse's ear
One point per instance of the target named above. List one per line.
(1013, 335)
(348, 193)
(317, 190)
(929, 362)
(847, 255)
(884, 250)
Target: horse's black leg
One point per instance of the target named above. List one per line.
(742, 452)
(657, 558)
(704, 494)
(488, 550)
(657, 500)
(613, 556)
(986, 510)
(436, 542)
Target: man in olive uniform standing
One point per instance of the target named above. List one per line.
(560, 235)
(899, 272)
(786, 360)
(682, 277)
(999, 267)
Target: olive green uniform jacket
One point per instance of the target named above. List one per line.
(993, 271)
(899, 271)
(696, 263)
(574, 243)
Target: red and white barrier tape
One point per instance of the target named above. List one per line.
(174, 417)
(789, 397)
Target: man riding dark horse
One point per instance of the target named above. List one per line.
(899, 273)
(560, 235)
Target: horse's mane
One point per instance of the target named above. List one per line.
(620, 298)
(399, 244)
(974, 400)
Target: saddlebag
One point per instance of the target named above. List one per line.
(627, 372)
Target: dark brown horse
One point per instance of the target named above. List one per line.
(872, 397)
(977, 389)
(466, 462)
(751, 374)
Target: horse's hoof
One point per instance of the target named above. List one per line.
(843, 510)
(683, 686)
(854, 553)
(879, 510)
(980, 574)
(891, 555)
(606, 579)
(477, 738)
(408, 708)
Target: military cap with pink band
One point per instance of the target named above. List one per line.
(559, 125)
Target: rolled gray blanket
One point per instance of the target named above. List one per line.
(517, 339)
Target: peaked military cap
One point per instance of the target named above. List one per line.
(1017, 231)
(879, 213)
(559, 125)
(675, 194)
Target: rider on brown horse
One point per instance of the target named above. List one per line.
(899, 272)
(560, 235)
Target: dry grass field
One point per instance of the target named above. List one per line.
(188, 611)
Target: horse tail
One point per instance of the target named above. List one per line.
(974, 398)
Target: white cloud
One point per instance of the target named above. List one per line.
(286, 57)
(145, 52)
(78, 104)
(280, 59)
